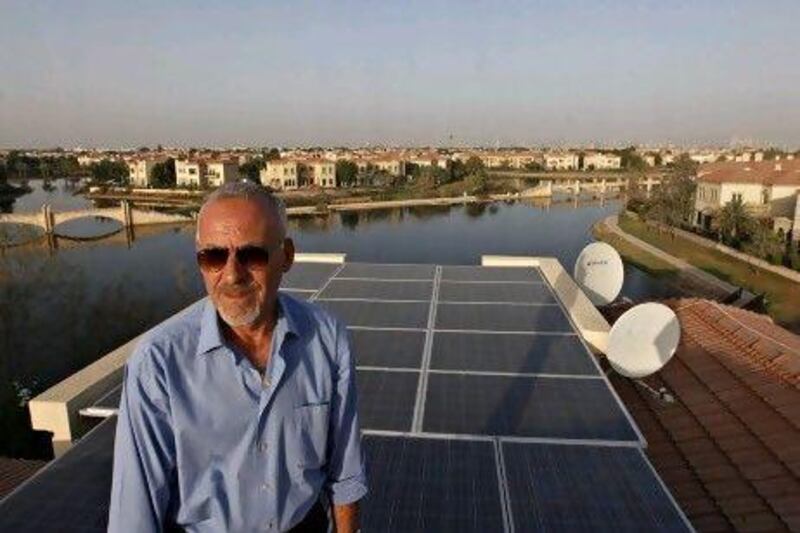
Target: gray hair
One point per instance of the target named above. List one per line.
(247, 190)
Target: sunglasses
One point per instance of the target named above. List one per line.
(251, 257)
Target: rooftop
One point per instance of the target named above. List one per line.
(729, 446)
(783, 172)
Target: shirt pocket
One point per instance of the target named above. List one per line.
(311, 424)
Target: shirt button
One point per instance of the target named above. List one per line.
(262, 447)
(264, 486)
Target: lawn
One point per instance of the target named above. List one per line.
(782, 295)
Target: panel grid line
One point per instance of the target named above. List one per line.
(419, 407)
(502, 484)
(376, 300)
(511, 374)
(505, 438)
(503, 332)
(378, 328)
(477, 282)
(387, 368)
(518, 304)
(642, 440)
(666, 491)
(314, 296)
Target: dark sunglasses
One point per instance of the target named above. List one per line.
(251, 257)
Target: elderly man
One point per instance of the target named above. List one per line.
(239, 414)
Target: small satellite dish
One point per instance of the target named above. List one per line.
(599, 272)
(643, 340)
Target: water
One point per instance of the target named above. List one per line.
(59, 193)
(62, 309)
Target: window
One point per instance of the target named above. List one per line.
(737, 196)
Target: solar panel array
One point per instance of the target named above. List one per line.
(481, 407)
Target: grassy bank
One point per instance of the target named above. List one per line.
(783, 295)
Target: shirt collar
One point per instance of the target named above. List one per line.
(211, 336)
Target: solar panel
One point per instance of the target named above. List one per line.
(69, 494)
(380, 290)
(379, 314)
(386, 399)
(490, 274)
(431, 485)
(586, 488)
(537, 293)
(552, 408)
(502, 352)
(500, 317)
(379, 271)
(388, 348)
(309, 276)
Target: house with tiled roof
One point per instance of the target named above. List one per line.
(728, 444)
(766, 188)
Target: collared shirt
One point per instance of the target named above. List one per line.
(203, 440)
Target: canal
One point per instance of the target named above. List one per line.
(61, 309)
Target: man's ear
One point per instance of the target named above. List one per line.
(288, 254)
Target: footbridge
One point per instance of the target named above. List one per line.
(125, 214)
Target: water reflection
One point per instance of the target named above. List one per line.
(61, 194)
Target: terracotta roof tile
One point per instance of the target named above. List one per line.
(15, 471)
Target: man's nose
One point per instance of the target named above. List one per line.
(234, 271)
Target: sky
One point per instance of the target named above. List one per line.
(296, 73)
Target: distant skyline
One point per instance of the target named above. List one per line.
(114, 74)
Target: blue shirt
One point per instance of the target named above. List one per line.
(207, 442)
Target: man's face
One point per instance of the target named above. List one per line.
(243, 296)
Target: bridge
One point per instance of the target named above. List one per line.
(575, 182)
(128, 216)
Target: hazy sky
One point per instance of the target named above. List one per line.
(294, 73)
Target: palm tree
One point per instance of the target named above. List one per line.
(733, 222)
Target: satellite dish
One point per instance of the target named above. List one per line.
(643, 340)
(599, 272)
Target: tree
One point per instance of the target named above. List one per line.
(3, 175)
(163, 174)
(683, 165)
(272, 154)
(474, 165)
(346, 172)
(107, 171)
(734, 223)
(251, 170)
(764, 243)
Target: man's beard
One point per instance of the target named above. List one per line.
(238, 315)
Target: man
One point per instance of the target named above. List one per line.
(239, 414)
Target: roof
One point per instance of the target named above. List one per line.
(14, 471)
(729, 446)
(783, 172)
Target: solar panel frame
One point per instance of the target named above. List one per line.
(606, 488)
(481, 274)
(535, 353)
(444, 485)
(395, 348)
(379, 314)
(466, 292)
(309, 276)
(502, 317)
(49, 501)
(526, 407)
(377, 290)
(375, 387)
(388, 271)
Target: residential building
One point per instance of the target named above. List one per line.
(561, 161)
(140, 171)
(601, 161)
(190, 173)
(392, 165)
(766, 188)
(319, 172)
(219, 172)
(281, 174)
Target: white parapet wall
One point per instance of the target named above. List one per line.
(591, 325)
